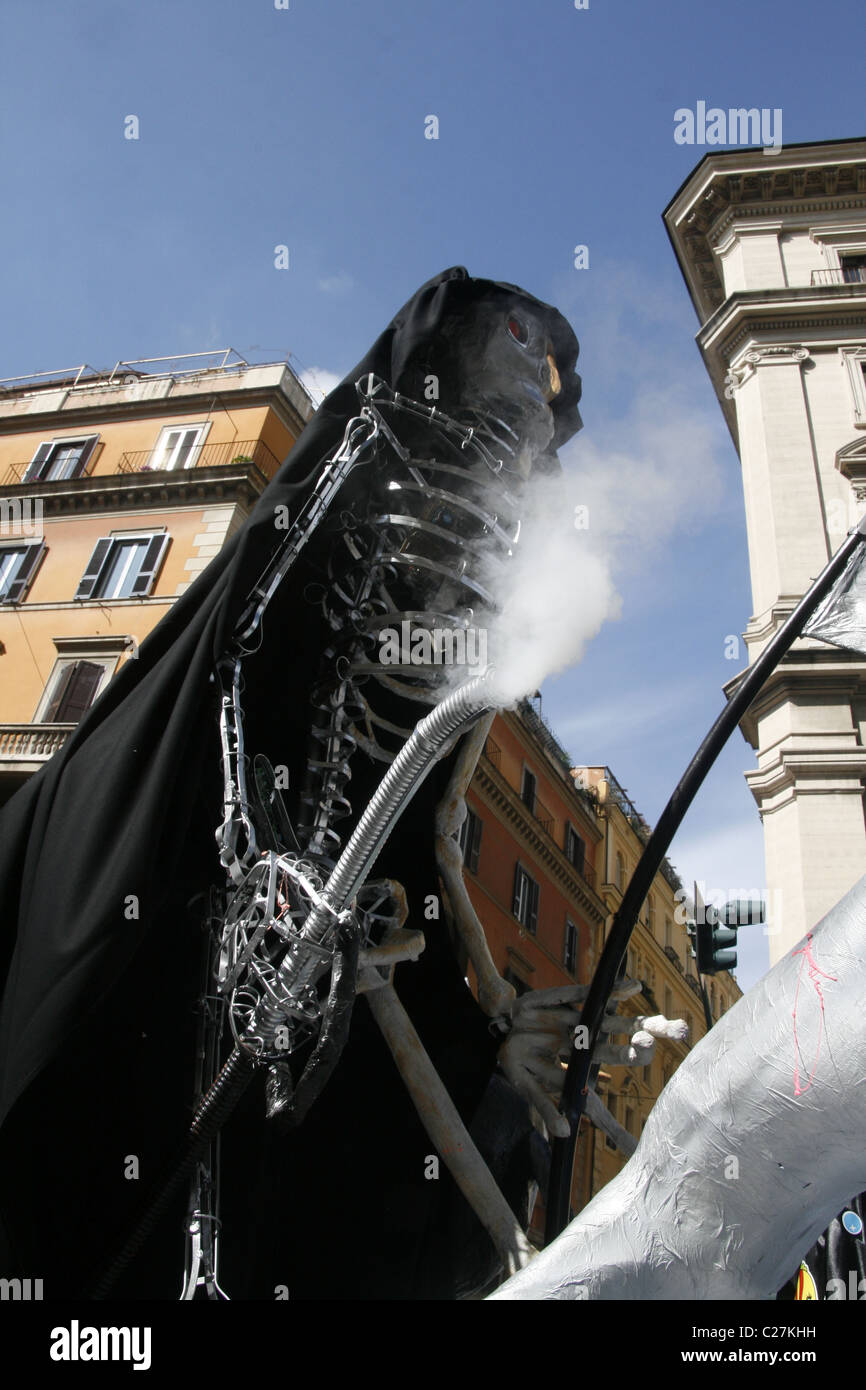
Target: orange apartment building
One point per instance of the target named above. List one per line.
(116, 490)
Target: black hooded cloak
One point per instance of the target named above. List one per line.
(106, 859)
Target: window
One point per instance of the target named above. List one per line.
(669, 932)
(18, 566)
(178, 446)
(512, 978)
(525, 904)
(629, 1119)
(669, 1002)
(469, 840)
(528, 789)
(610, 1101)
(84, 666)
(57, 459)
(74, 689)
(650, 912)
(619, 871)
(122, 567)
(575, 848)
(853, 267)
(569, 954)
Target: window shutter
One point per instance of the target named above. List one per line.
(532, 924)
(86, 450)
(25, 573)
(475, 843)
(149, 566)
(578, 852)
(95, 566)
(75, 693)
(515, 905)
(527, 793)
(37, 462)
(65, 677)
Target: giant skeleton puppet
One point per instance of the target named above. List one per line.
(154, 978)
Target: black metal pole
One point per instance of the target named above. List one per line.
(707, 1015)
(580, 1064)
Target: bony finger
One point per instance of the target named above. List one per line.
(624, 989)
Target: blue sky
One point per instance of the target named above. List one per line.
(305, 127)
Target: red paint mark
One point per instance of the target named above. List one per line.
(809, 963)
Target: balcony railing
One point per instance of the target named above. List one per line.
(672, 954)
(493, 753)
(242, 451)
(847, 275)
(31, 742)
(544, 817)
(208, 456)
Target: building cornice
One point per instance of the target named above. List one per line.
(73, 407)
(796, 312)
(502, 795)
(802, 774)
(563, 784)
(152, 491)
(745, 185)
(825, 675)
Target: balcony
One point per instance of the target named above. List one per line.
(672, 955)
(237, 452)
(544, 817)
(29, 745)
(210, 456)
(847, 275)
(493, 754)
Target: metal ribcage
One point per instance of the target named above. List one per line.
(423, 559)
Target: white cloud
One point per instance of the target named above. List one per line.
(649, 475)
(319, 382)
(340, 283)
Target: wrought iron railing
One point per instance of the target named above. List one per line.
(672, 954)
(244, 451)
(16, 472)
(847, 275)
(493, 753)
(29, 741)
(206, 456)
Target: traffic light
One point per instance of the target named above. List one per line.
(716, 932)
(714, 945)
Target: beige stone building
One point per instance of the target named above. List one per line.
(773, 251)
(660, 956)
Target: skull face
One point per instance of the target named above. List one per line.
(507, 359)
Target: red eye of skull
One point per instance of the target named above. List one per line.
(518, 330)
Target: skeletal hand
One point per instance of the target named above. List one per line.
(535, 1053)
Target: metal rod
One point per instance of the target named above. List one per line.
(581, 1070)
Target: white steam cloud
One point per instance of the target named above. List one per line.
(554, 593)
